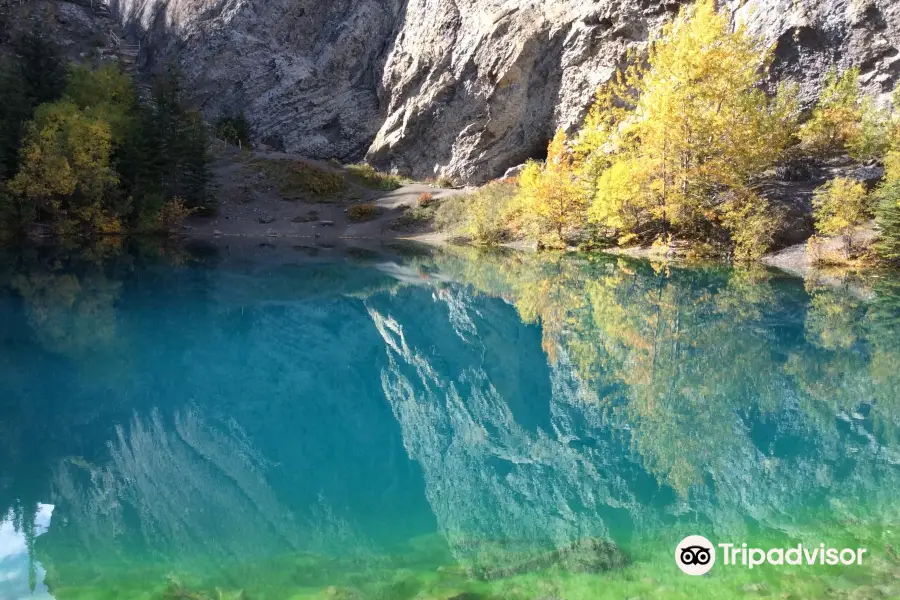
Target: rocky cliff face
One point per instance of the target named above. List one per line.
(81, 34)
(465, 88)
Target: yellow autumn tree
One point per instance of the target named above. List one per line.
(836, 117)
(601, 135)
(65, 166)
(840, 206)
(625, 196)
(846, 120)
(551, 201)
(688, 126)
(45, 173)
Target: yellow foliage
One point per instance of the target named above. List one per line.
(675, 359)
(600, 136)
(93, 217)
(158, 215)
(66, 176)
(873, 137)
(840, 206)
(845, 120)
(491, 211)
(172, 215)
(697, 124)
(487, 216)
(45, 172)
(70, 315)
(298, 179)
(622, 200)
(551, 201)
(366, 175)
(893, 135)
(65, 166)
(836, 116)
(752, 222)
(363, 212)
(887, 213)
(892, 168)
(89, 147)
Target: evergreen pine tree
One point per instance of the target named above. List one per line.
(42, 68)
(887, 213)
(15, 110)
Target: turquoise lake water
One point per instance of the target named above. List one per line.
(311, 423)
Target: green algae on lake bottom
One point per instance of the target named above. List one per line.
(653, 575)
(448, 425)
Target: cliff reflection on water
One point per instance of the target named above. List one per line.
(206, 423)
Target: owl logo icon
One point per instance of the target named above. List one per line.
(695, 555)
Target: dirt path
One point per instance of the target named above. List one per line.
(252, 203)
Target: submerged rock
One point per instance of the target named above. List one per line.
(334, 592)
(589, 555)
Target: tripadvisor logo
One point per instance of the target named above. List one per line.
(696, 555)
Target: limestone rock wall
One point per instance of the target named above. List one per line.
(465, 88)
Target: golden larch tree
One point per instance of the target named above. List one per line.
(695, 124)
(552, 203)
